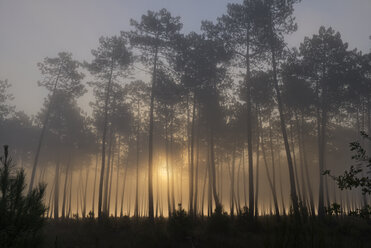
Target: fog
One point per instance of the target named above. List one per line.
(124, 112)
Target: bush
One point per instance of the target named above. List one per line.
(180, 224)
(21, 217)
(219, 222)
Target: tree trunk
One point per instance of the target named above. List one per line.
(43, 130)
(117, 175)
(85, 192)
(294, 197)
(203, 190)
(167, 165)
(111, 174)
(294, 161)
(191, 169)
(197, 162)
(257, 161)
(150, 140)
(212, 169)
(321, 152)
(105, 123)
(56, 192)
(95, 182)
(106, 180)
(65, 188)
(271, 183)
(126, 165)
(304, 153)
(232, 174)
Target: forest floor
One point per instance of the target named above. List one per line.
(216, 231)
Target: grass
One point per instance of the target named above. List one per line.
(220, 230)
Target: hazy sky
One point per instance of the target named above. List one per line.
(33, 29)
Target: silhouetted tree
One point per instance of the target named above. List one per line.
(152, 36)
(60, 74)
(111, 60)
(21, 216)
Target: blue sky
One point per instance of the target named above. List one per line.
(33, 29)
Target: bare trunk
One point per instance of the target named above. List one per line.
(110, 180)
(232, 174)
(191, 169)
(150, 140)
(56, 192)
(43, 130)
(107, 97)
(197, 163)
(95, 182)
(167, 167)
(65, 189)
(117, 175)
(257, 161)
(271, 183)
(304, 153)
(212, 170)
(294, 197)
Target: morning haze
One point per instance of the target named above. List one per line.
(174, 123)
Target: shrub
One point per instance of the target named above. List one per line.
(180, 224)
(21, 217)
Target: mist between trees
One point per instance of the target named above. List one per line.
(230, 117)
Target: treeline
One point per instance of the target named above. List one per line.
(207, 120)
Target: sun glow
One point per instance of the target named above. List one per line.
(162, 172)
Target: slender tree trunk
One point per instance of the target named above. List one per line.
(85, 191)
(56, 192)
(150, 140)
(65, 188)
(321, 152)
(305, 160)
(294, 161)
(294, 197)
(70, 200)
(244, 175)
(106, 180)
(172, 165)
(212, 170)
(203, 190)
(281, 188)
(271, 183)
(197, 162)
(95, 182)
(302, 164)
(257, 161)
(111, 174)
(232, 180)
(136, 213)
(43, 130)
(117, 175)
(50, 208)
(105, 123)
(249, 124)
(167, 165)
(238, 189)
(191, 169)
(126, 165)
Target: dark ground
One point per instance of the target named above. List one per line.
(216, 231)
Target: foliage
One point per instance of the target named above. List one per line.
(355, 177)
(219, 222)
(364, 213)
(334, 209)
(21, 217)
(5, 97)
(180, 224)
(61, 73)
